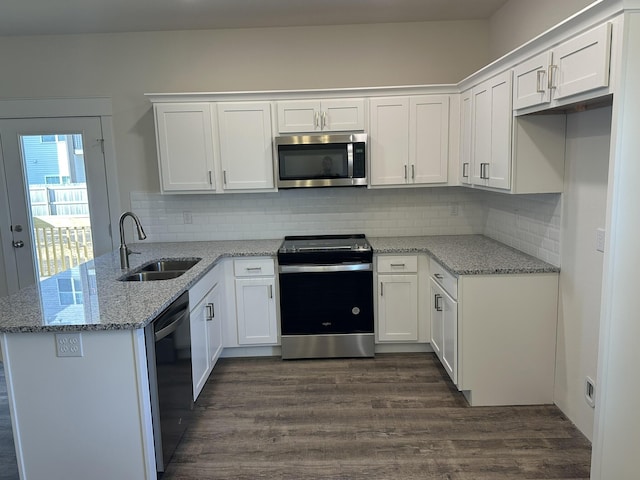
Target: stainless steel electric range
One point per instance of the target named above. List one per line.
(326, 296)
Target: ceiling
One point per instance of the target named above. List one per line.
(44, 17)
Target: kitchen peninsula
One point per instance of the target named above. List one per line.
(91, 414)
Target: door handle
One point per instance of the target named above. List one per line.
(210, 311)
(437, 305)
(18, 244)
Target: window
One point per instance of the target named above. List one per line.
(48, 138)
(69, 291)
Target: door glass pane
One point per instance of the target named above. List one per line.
(57, 193)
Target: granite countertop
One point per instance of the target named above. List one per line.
(90, 296)
(97, 300)
(465, 254)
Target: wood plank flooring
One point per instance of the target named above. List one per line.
(8, 465)
(392, 417)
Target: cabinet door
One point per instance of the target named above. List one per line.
(481, 133)
(429, 138)
(582, 64)
(343, 114)
(500, 122)
(298, 116)
(214, 324)
(437, 328)
(389, 140)
(444, 329)
(530, 82)
(450, 336)
(466, 128)
(398, 308)
(245, 145)
(256, 310)
(185, 146)
(199, 347)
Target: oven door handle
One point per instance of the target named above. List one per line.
(343, 267)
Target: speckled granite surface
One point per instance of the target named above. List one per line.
(465, 254)
(104, 303)
(109, 304)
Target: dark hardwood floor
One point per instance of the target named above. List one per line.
(8, 465)
(392, 417)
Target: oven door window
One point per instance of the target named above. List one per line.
(326, 303)
(302, 162)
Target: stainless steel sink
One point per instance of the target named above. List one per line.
(147, 276)
(165, 269)
(169, 265)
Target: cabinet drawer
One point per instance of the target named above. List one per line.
(398, 264)
(448, 281)
(253, 267)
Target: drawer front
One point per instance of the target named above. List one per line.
(448, 281)
(198, 291)
(398, 264)
(253, 267)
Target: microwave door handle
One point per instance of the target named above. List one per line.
(350, 160)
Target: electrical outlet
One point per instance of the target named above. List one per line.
(69, 344)
(187, 218)
(590, 392)
(454, 209)
(600, 239)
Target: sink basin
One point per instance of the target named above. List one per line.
(160, 270)
(148, 276)
(169, 265)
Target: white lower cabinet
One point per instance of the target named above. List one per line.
(444, 329)
(206, 314)
(398, 318)
(255, 287)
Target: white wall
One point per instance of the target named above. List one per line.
(518, 21)
(583, 210)
(125, 66)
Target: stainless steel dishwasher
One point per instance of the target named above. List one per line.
(168, 345)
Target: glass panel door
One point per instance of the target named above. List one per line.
(57, 194)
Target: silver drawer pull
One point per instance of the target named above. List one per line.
(254, 269)
(437, 298)
(438, 276)
(397, 265)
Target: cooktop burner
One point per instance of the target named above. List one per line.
(325, 249)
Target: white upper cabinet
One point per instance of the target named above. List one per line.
(409, 140)
(466, 127)
(185, 147)
(429, 138)
(328, 115)
(578, 65)
(246, 153)
(488, 151)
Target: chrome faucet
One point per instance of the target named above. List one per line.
(124, 250)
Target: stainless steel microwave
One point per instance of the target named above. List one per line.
(322, 160)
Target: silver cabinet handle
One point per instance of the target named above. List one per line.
(316, 120)
(210, 178)
(224, 176)
(211, 313)
(398, 265)
(438, 276)
(323, 122)
(381, 289)
(405, 172)
(413, 172)
(483, 171)
(253, 269)
(270, 291)
(465, 170)
(539, 87)
(437, 299)
(18, 244)
(550, 84)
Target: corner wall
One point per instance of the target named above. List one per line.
(583, 210)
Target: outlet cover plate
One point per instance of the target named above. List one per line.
(69, 344)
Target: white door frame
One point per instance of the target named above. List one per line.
(56, 108)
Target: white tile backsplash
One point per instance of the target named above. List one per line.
(527, 222)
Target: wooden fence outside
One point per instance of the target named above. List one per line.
(61, 242)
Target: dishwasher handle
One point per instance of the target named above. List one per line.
(174, 319)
